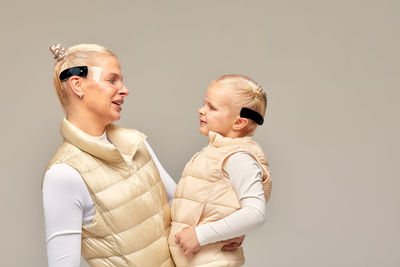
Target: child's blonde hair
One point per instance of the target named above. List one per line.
(77, 55)
(250, 94)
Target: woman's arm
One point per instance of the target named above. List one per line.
(67, 205)
(168, 182)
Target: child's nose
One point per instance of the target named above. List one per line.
(201, 110)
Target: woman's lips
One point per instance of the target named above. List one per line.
(117, 105)
(202, 122)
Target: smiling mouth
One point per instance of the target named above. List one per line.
(118, 105)
(118, 102)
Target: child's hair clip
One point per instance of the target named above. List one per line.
(252, 115)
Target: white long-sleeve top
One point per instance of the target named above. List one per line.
(68, 206)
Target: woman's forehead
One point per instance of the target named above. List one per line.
(108, 64)
(105, 66)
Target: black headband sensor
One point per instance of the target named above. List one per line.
(252, 115)
(74, 71)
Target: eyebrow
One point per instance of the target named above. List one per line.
(115, 74)
(212, 104)
(209, 100)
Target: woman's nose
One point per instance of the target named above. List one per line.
(124, 91)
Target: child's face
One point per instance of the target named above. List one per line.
(217, 113)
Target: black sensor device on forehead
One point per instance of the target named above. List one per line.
(251, 114)
(74, 71)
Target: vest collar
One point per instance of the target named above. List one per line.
(217, 140)
(125, 142)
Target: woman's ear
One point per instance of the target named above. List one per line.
(240, 123)
(75, 83)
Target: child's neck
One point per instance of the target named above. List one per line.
(234, 134)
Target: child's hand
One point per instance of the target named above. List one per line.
(187, 240)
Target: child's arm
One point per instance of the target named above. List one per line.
(246, 177)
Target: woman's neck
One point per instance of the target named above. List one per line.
(89, 126)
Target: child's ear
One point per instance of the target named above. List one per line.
(75, 83)
(240, 123)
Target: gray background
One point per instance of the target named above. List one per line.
(331, 71)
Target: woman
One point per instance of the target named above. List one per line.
(104, 190)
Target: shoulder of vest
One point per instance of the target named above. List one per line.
(62, 154)
(74, 157)
(64, 151)
(251, 147)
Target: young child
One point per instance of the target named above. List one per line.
(224, 188)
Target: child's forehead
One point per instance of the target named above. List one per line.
(218, 91)
(221, 95)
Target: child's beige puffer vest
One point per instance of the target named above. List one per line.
(204, 194)
(132, 215)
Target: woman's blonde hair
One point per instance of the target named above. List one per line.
(77, 55)
(250, 94)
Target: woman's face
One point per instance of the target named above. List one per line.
(103, 91)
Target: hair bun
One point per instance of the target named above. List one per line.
(258, 92)
(58, 51)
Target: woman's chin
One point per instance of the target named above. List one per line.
(116, 117)
(111, 120)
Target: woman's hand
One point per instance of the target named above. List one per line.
(234, 243)
(187, 240)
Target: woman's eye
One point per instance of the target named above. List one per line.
(112, 81)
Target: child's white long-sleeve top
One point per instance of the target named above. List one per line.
(68, 206)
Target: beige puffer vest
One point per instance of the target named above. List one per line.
(132, 215)
(204, 194)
